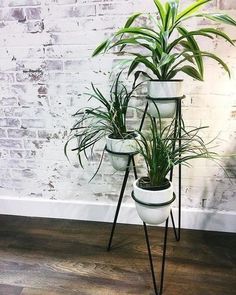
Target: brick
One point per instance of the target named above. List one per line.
(115, 8)
(8, 101)
(2, 133)
(13, 14)
(54, 65)
(5, 173)
(12, 183)
(9, 122)
(26, 154)
(25, 173)
(34, 76)
(35, 27)
(227, 4)
(19, 133)
(7, 77)
(10, 143)
(33, 13)
(24, 2)
(34, 144)
(32, 123)
(56, 12)
(4, 154)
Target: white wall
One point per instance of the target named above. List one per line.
(45, 67)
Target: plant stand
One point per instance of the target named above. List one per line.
(178, 118)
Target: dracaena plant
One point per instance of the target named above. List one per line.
(161, 154)
(165, 55)
(109, 118)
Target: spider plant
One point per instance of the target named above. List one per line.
(169, 47)
(95, 123)
(161, 154)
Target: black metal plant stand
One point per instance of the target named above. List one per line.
(176, 229)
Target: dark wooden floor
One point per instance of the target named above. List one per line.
(55, 257)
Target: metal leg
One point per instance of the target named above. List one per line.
(163, 259)
(131, 158)
(177, 132)
(143, 118)
(150, 259)
(134, 168)
(119, 202)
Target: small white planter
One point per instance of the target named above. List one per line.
(155, 214)
(120, 162)
(163, 89)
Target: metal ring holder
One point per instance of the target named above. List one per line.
(177, 231)
(157, 292)
(153, 204)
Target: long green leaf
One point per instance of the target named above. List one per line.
(191, 33)
(131, 19)
(218, 33)
(149, 65)
(100, 48)
(195, 48)
(219, 60)
(161, 10)
(174, 6)
(192, 72)
(139, 31)
(219, 17)
(191, 9)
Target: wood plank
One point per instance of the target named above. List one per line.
(55, 257)
(10, 290)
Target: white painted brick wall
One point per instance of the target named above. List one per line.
(45, 66)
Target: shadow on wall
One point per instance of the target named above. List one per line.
(224, 196)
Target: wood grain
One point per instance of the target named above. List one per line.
(55, 257)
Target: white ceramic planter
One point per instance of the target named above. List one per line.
(163, 89)
(153, 214)
(120, 162)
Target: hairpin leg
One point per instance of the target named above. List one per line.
(177, 133)
(119, 202)
(151, 260)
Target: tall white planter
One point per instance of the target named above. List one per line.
(155, 214)
(163, 89)
(120, 162)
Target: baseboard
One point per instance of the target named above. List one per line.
(97, 211)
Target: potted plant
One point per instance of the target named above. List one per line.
(153, 194)
(167, 48)
(108, 121)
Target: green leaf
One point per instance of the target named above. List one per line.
(174, 6)
(219, 17)
(192, 72)
(131, 19)
(139, 31)
(219, 60)
(161, 10)
(165, 59)
(149, 65)
(191, 9)
(192, 33)
(129, 22)
(133, 65)
(100, 48)
(133, 41)
(188, 57)
(167, 16)
(218, 33)
(195, 48)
